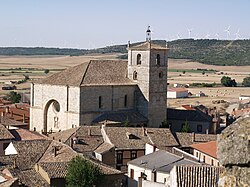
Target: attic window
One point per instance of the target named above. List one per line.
(131, 136)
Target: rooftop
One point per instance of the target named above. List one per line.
(94, 72)
(4, 133)
(188, 115)
(209, 148)
(162, 161)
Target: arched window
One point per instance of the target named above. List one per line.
(100, 101)
(158, 59)
(135, 75)
(138, 59)
(125, 101)
(160, 74)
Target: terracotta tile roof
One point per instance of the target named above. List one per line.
(24, 134)
(6, 121)
(188, 115)
(188, 107)
(121, 116)
(146, 45)
(5, 134)
(94, 72)
(55, 169)
(209, 148)
(87, 143)
(187, 139)
(177, 90)
(157, 136)
(29, 152)
(64, 153)
(29, 178)
(104, 147)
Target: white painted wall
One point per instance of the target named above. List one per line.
(174, 94)
(10, 150)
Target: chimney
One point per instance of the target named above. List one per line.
(71, 142)
(89, 132)
(14, 164)
(144, 132)
(2, 113)
(193, 137)
(54, 150)
(7, 110)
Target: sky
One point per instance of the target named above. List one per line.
(99, 23)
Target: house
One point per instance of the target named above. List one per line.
(155, 167)
(123, 144)
(206, 152)
(197, 121)
(174, 93)
(45, 163)
(90, 90)
(83, 139)
(244, 97)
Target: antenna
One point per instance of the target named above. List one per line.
(178, 36)
(228, 31)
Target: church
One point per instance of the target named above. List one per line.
(131, 92)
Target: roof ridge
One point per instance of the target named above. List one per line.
(85, 72)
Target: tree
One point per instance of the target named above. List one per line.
(46, 71)
(14, 97)
(164, 124)
(246, 82)
(83, 173)
(186, 127)
(228, 82)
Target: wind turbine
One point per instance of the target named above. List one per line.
(189, 32)
(228, 31)
(237, 34)
(217, 36)
(207, 36)
(178, 36)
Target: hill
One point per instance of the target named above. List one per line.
(214, 52)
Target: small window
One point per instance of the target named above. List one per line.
(199, 128)
(100, 101)
(212, 162)
(204, 158)
(125, 101)
(133, 155)
(119, 157)
(135, 75)
(131, 173)
(158, 59)
(160, 74)
(138, 61)
(197, 154)
(56, 125)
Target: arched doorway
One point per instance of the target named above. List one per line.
(56, 108)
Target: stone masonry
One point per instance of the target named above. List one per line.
(234, 154)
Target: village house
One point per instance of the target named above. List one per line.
(123, 144)
(206, 152)
(174, 93)
(5, 138)
(155, 167)
(197, 121)
(45, 162)
(93, 91)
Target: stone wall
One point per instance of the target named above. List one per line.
(234, 153)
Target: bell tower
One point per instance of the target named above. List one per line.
(147, 66)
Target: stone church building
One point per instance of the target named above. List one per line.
(111, 91)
